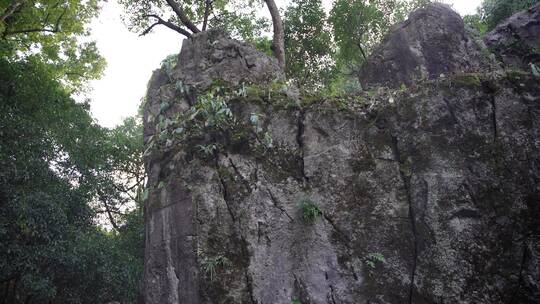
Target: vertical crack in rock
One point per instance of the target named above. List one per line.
(237, 172)
(332, 299)
(407, 184)
(276, 204)
(249, 285)
(524, 257)
(300, 141)
(342, 236)
(224, 190)
(237, 224)
(451, 111)
(493, 117)
(345, 240)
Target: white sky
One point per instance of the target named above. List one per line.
(131, 60)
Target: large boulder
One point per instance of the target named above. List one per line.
(516, 41)
(172, 258)
(433, 41)
(424, 195)
(213, 55)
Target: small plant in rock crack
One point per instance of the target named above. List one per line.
(373, 258)
(210, 265)
(212, 110)
(169, 63)
(309, 210)
(255, 120)
(296, 301)
(207, 150)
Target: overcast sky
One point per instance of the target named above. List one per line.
(131, 60)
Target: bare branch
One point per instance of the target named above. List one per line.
(168, 24)
(182, 16)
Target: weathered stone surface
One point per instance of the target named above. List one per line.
(433, 41)
(428, 195)
(516, 41)
(212, 55)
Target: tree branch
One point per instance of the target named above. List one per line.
(182, 15)
(207, 6)
(56, 28)
(11, 9)
(361, 50)
(278, 41)
(109, 213)
(168, 24)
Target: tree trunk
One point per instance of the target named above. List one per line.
(182, 16)
(279, 36)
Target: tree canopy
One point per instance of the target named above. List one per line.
(308, 44)
(52, 31)
(55, 161)
(61, 170)
(190, 17)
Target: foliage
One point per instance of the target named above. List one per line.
(50, 31)
(296, 301)
(308, 44)
(210, 265)
(236, 17)
(60, 170)
(208, 150)
(263, 44)
(535, 70)
(118, 172)
(476, 22)
(309, 210)
(493, 12)
(212, 109)
(373, 258)
(243, 22)
(359, 25)
(169, 63)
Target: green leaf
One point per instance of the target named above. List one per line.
(164, 106)
(145, 195)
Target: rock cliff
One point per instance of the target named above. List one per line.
(516, 41)
(429, 193)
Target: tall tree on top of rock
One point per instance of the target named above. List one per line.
(193, 16)
(279, 36)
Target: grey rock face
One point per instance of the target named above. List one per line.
(433, 41)
(212, 55)
(516, 41)
(429, 195)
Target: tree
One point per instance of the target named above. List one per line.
(308, 44)
(56, 161)
(190, 17)
(41, 210)
(119, 172)
(278, 42)
(50, 30)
